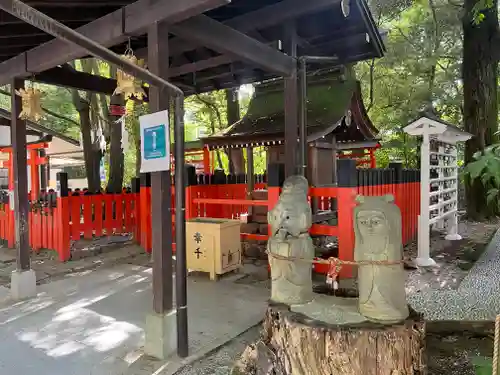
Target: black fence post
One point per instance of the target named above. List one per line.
(347, 175)
(276, 174)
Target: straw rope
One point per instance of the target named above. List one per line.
(496, 346)
(336, 264)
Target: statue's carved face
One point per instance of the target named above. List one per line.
(372, 223)
(287, 220)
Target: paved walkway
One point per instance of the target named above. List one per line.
(93, 324)
(477, 297)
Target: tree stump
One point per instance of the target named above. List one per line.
(292, 344)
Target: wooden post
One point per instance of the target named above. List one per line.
(206, 160)
(35, 182)
(346, 194)
(160, 181)
(424, 258)
(250, 177)
(291, 96)
(20, 177)
(373, 162)
(43, 170)
(160, 333)
(62, 219)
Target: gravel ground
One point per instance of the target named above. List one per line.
(222, 360)
(475, 299)
(454, 258)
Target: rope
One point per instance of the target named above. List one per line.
(336, 264)
(496, 346)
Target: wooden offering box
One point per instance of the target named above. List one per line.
(213, 245)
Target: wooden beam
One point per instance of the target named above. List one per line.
(77, 4)
(226, 40)
(70, 14)
(262, 18)
(109, 30)
(67, 77)
(201, 65)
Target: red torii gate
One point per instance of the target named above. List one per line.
(34, 161)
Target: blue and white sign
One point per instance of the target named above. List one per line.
(155, 142)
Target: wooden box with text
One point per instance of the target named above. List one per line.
(213, 245)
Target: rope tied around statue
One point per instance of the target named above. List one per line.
(335, 265)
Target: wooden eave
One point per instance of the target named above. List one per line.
(321, 27)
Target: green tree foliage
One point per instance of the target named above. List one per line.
(422, 68)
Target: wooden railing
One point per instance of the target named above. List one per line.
(55, 221)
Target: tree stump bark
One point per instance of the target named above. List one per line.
(292, 344)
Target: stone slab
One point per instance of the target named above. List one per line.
(331, 310)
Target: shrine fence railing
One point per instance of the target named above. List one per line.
(55, 221)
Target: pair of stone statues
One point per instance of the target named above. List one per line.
(378, 249)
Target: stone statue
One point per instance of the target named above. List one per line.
(289, 240)
(377, 228)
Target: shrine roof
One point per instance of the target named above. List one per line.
(339, 28)
(334, 108)
(436, 126)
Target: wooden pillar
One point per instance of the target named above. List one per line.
(20, 178)
(335, 157)
(44, 174)
(373, 162)
(250, 177)
(206, 160)
(35, 176)
(158, 61)
(291, 110)
(250, 173)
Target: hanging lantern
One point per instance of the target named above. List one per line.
(127, 84)
(117, 110)
(31, 104)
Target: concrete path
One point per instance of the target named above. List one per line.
(477, 297)
(93, 324)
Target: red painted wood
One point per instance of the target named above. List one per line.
(97, 202)
(63, 228)
(346, 199)
(137, 217)
(75, 203)
(118, 222)
(128, 213)
(87, 217)
(108, 214)
(50, 229)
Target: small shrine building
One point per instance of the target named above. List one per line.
(337, 125)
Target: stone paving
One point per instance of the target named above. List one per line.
(92, 324)
(477, 297)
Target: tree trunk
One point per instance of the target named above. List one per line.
(235, 155)
(116, 159)
(91, 152)
(294, 345)
(479, 71)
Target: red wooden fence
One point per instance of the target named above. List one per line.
(65, 219)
